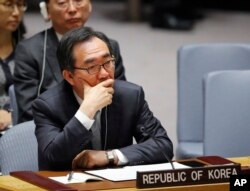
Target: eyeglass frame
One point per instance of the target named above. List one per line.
(11, 7)
(112, 60)
(65, 5)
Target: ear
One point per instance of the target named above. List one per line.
(68, 76)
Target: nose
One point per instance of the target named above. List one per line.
(103, 72)
(72, 6)
(16, 11)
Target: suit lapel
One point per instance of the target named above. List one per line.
(72, 105)
(51, 59)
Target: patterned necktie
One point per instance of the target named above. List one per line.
(96, 130)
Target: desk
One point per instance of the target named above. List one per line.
(122, 186)
(131, 185)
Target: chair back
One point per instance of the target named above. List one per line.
(18, 148)
(227, 109)
(195, 61)
(13, 104)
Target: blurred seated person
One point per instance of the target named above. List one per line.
(37, 67)
(90, 118)
(11, 32)
(174, 14)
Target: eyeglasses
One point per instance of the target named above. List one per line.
(108, 65)
(10, 5)
(64, 4)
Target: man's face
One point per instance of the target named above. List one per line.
(88, 54)
(68, 14)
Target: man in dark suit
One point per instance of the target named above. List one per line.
(36, 65)
(66, 116)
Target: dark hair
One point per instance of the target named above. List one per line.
(73, 37)
(18, 34)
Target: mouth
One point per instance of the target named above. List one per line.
(73, 20)
(14, 23)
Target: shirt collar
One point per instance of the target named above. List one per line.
(59, 36)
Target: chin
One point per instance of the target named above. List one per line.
(13, 27)
(75, 25)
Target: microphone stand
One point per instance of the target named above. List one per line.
(145, 134)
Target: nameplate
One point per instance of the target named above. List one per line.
(189, 176)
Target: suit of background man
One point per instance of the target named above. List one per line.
(65, 115)
(37, 68)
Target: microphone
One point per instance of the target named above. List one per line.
(147, 135)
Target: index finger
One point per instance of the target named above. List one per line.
(107, 83)
(77, 160)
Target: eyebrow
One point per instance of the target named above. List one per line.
(91, 60)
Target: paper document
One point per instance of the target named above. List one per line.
(77, 177)
(129, 172)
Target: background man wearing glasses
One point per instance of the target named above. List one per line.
(37, 68)
(66, 116)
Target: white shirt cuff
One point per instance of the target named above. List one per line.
(122, 159)
(84, 119)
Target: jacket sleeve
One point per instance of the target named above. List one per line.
(58, 142)
(146, 150)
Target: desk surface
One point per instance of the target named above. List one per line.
(114, 186)
(131, 185)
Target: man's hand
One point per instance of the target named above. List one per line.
(97, 97)
(5, 119)
(90, 159)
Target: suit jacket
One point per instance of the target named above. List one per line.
(29, 56)
(61, 136)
